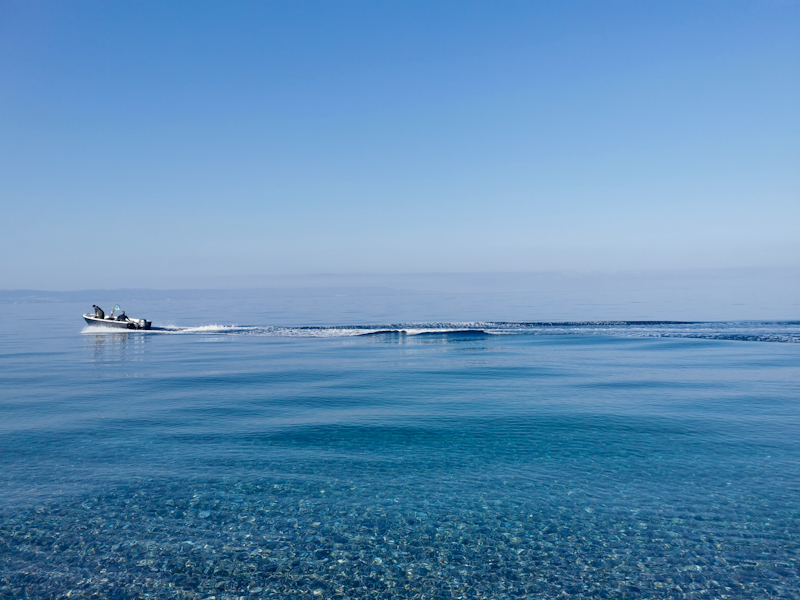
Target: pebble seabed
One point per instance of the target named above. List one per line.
(319, 538)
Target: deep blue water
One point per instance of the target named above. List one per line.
(286, 451)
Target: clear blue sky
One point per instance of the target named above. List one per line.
(207, 139)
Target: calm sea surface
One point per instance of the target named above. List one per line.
(380, 450)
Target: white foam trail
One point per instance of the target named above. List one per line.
(207, 329)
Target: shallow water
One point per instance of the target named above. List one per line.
(278, 455)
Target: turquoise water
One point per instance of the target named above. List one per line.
(286, 451)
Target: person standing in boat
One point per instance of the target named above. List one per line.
(98, 312)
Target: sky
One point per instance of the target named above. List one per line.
(152, 143)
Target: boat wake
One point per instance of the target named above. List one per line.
(750, 331)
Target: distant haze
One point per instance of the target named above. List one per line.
(184, 144)
(691, 295)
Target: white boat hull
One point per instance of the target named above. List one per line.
(113, 323)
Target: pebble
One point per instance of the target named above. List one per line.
(284, 538)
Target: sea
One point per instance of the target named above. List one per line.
(395, 446)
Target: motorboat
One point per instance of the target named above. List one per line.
(121, 321)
